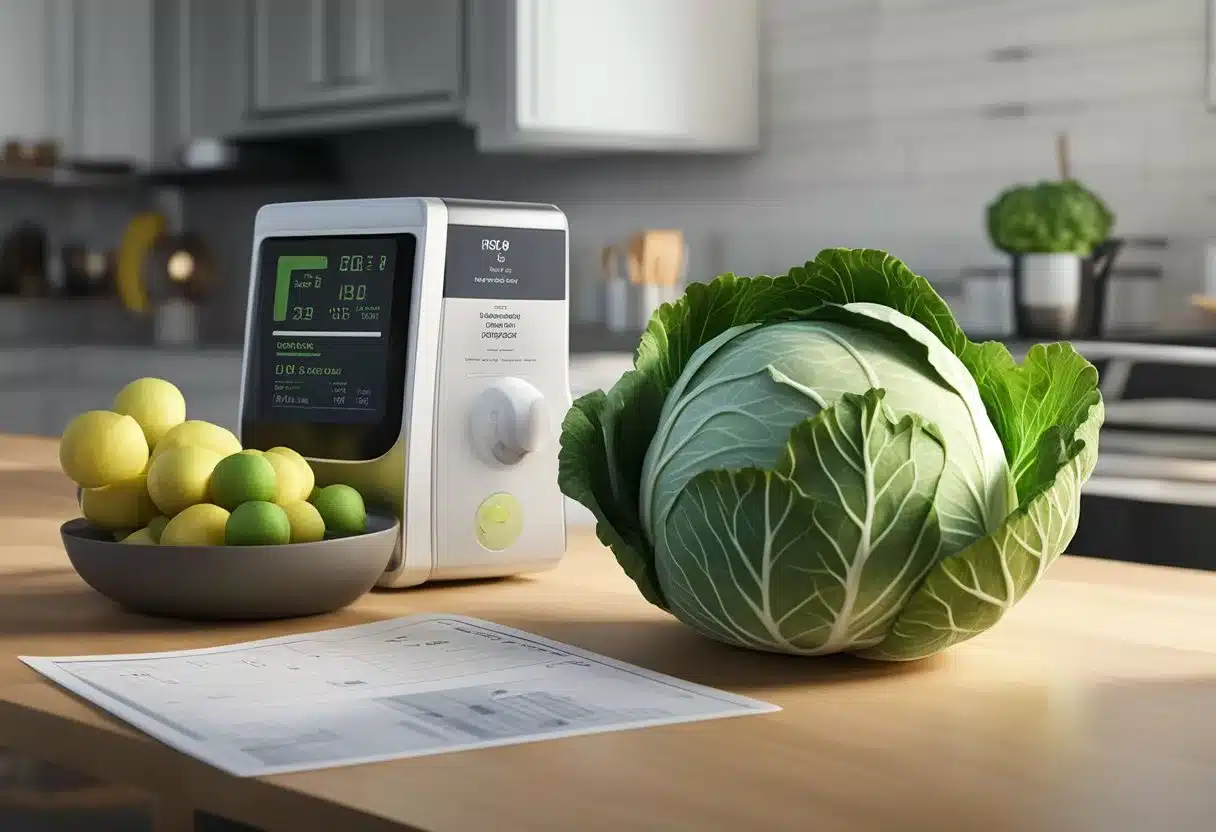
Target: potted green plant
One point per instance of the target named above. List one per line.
(1054, 231)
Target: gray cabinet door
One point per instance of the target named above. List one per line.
(79, 73)
(112, 101)
(423, 44)
(219, 66)
(202, 71)
(27, 61)
(289, 70)
(320, 55)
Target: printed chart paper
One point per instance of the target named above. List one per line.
(406, 687)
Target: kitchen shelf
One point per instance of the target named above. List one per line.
(1122, 273)
(294, 161)
(65, 177)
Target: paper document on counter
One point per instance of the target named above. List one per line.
(406, 687)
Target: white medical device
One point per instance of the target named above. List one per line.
(418, 350)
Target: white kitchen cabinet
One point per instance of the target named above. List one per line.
(327, 63)
(677, 75)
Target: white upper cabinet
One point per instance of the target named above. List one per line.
(626, 74)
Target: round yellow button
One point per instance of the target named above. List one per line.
(499, 521)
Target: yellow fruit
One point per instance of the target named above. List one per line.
(155, 403)
(293, 477)
(124, 505)
(197, 432)
(140, 537)
(306, 523)
(140, 235)
(198, 525)
(101, 448)
(285, 451)
(179, 477)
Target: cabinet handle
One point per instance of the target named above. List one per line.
(359, 64)
(368, 18)
(318, 15)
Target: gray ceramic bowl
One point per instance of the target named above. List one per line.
(232, 582)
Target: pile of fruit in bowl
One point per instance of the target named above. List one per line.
(227, 532)
(150, 476)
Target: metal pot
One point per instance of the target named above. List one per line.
(1060, 295)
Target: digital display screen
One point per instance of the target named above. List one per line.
(330, 324)
(329, 341)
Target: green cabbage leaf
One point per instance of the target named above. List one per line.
(822, 462)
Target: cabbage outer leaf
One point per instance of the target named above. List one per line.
(819, 555)
(969, 592)
(1047, 413)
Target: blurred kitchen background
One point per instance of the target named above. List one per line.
(683, 138)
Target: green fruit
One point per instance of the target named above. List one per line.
(342, 509)
(258, 523)
(198, 525)
(306, 523)
(100, 448)
(141, 537)
(156, 527)
(241, 478)
(178, 478)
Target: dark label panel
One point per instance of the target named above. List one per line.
(505, 263)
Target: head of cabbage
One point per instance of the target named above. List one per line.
(822, 462)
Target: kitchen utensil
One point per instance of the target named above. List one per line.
(23, 261)
(179, 266)
(138, 239)
(657, 261)
(178, 272)
(418, 350)
(1204, 302)
(1062, 295)
(618, 291)
(232, 582)
(85, 271)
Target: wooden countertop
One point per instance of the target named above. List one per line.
(1089, 708)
